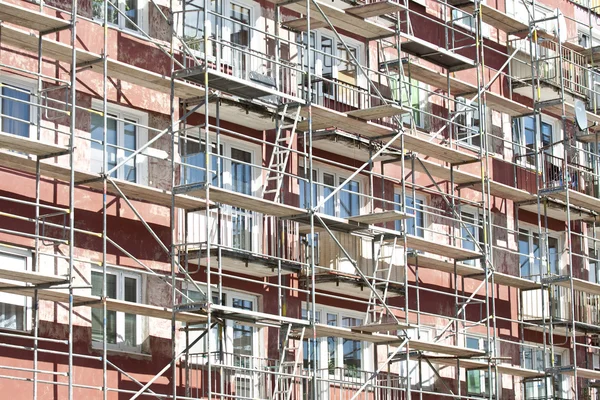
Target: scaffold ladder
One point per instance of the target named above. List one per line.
(284, 140)
(375, 311)
(284, 383)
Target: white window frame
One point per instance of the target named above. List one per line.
(122, 113)
(456, 14)
(418, 196)
(531, 230)
(227, 144)
(10, 298)
(140, 328)
(25, 84)
(470, 112)
(482, 372)
(564, 360)
(555, 150)
(477, 221)
(338, 174)
(142, 20)
(366, 347)
(427, 375)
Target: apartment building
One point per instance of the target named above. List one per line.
(215, 199)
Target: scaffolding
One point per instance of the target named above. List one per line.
(285, 161)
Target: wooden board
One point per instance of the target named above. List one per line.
(300, 24)
(384, 327)
(116, 69)
(377, 112)
(62, 296)
(28, 146)
(375, 9)
(558, 211)
(581, 285)
(446, 250)
(348, 284)
(584, 373)
(341, 19)
(425, 261)
(422, 144)
(34, 278)
(497, 19)
(579, 199)
(29, 18)
(133, 191)
(435, 54)
(502, 368)
(381, 216)
(247, 202)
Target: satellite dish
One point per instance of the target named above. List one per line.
(560, 30)
(580, 115)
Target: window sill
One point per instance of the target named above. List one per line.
(97, 348)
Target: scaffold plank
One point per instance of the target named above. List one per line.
(62, 296)
(341, 19)
(381, 217)
(583, 373)
(437, 55)
(246, 202)
(384, 327)
(377, 112)
(376, 9)
(116, 69)
(578, 199)
(301, 24)
(502, 368)
(581, 285)
(324, 118)
(497, 18)
(29, 18)
(470, 271)
(471, 181)
(34, 278)
(29, 146)
(132, 190)
(435, 247)
(558, 211)
(348, 284)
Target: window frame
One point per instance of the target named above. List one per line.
(476, 224)
(27, 306)
(470, 112)
(518, 147)
(323, 351)
(141, 160)
(398, 207)
(121, 25)
(121, 274)
(483, 379)
(22, 83)
(564, 360)
(399, 95)
(531, 231)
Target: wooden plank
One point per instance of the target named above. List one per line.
(377, 112)
(435, 54)
(247, 202)
(341, 19)
(27, 145)
(300, 24)
(497, 19)
(579, 199)
(116, 69)
(583, 373)
(29, 18)
(384, 327)
(34, 278)
(421, 143)
(375, 9)
(446, 250)
(132, 190)
(381, 216)
(502, 368)
(62, 296)
(581, 285)
(473, 272)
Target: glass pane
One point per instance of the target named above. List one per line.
(12, 316)
(240, 34)
(524, 254)
(352, 350)
(241, 171)
(97, 148)
(97, 314)
(349, 201)
(328, 182)
(242, 337)
(332, 320)
(98, 12)
(304, 189)
(130, 142)
(415, 225)
(132, 13)
(16, 114)
(553, 257)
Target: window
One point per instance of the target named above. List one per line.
(14, 309)
(410, 96)
(471, 233)
(593, 265)
(193, 25)
(342, 357)
(467, 124)
(478, 382)
(530, 256)
(234, 345)
(533, 358)
(193, 153)
(420, 373)
(16, 114)
(126, 15)
(346, 203)
(240, 38)
(414, 206)
(124, 134)
(525, 141)
(123, 331)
